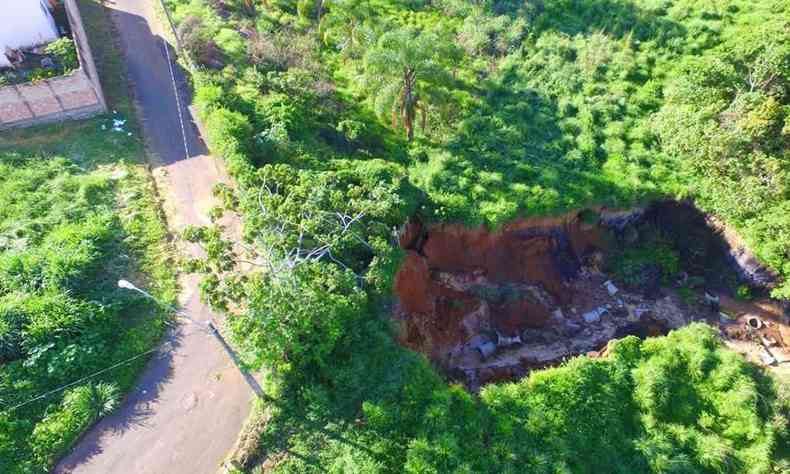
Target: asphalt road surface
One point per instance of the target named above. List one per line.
(191, 401)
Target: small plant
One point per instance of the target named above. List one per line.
(352, 130)
(744, 293)
(687, 295)
(40, 74)
(634, 265)
(65, 52)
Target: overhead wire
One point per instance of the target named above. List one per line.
(83, 379)
(164, 349)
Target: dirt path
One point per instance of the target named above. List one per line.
(191, 401)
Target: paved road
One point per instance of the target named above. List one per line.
(191, 401)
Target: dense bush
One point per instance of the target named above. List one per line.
(323, 303)
(63, 247)
(482, 112)
(726, 118)
(680, 403)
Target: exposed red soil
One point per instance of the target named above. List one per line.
(520, 252)
(514, 316)
(537, 252)
(414, 285)
(527, 290)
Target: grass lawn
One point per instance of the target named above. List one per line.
(79, 211)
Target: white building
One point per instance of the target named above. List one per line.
(25, 23)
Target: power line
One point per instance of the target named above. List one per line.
(64, 387)
(211, 330)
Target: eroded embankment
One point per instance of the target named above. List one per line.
(488, 306)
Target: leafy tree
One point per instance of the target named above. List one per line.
(347, 25)
(403, 72)
(294, 322)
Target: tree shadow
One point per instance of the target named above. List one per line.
(613, 17)
(135, 408)
(511, 158)
(160, 89)
(251, 381)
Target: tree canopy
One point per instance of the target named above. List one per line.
(404, 72)
(481, 113)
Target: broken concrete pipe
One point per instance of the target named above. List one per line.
(486, 349)
(504, 341)
(754, 322)
(595, 315)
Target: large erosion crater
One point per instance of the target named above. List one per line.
(488, 306)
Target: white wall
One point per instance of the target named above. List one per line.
(25, 23)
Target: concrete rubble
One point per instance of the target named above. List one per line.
(488, 307)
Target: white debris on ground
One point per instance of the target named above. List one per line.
(118, 125)
(600, 312)
(761, 339)
(595, 315)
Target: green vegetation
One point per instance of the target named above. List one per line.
(77, 212)
(514, 109)
(69, 229)
(651, 262)
(744, 293)
(340, 119)
(675, 404)
(67, 236)
(65, 52)
(62, 51)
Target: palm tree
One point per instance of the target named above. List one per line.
(92, 401)
(346, 24)
(402, 71)
(248, 7)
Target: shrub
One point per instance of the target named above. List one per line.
(80, 408)
(232, 44)
(228, 132)
(324, 306)
(65, 51)
(634, 265)
(196, 39)
(39, 74)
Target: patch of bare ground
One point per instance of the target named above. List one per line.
(489, 306)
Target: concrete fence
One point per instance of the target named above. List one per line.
(73, 96)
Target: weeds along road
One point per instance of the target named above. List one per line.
(191, 401)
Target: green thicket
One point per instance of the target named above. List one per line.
(676, 404)
(341, 118)
(77, 212)
(66, 237)
(517, 109)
